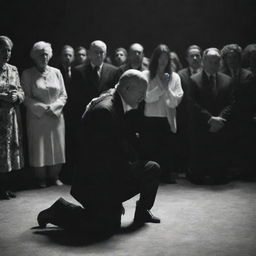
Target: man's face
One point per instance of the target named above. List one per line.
(194, 58)
(97, 54)
(135, 92)
(67, 56)
(136, 55)
(81, 56)
(211, 63)
(120, 58)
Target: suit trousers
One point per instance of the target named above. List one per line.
(106, 217)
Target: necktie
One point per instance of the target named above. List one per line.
(96, 74)
(212, 84)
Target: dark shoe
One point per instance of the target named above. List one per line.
(142, 216)
(4, 195)
(44, 217)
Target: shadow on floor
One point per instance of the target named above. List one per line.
(64, 237)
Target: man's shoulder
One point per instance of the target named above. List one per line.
(184, 72)
(101, 102)
(224, 77)
(110, 67)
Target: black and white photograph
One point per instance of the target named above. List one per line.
(128, 128)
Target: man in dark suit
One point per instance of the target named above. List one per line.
(134, 59)
(194, 59)
(88, 81)
(211, 104)
(111, 171)
(242, 144)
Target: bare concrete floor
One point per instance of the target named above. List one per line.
(196, 221)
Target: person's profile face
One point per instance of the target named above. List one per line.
(5, 53)
(211, 63)
(97, 54)
(194, 58)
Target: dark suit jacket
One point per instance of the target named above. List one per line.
(85, 87)
(127, 66)
(182, 109)
(106, 154)
(204, 103)
(243, 88)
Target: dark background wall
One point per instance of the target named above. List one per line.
(177, 23)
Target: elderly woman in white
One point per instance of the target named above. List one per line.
(45, 98)
(163, 95)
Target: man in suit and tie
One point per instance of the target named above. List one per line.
(88, 81)
(194, 59)
(112, 171)
(211, 104)
(134, 59)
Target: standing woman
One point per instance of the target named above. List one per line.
(11, 95)
(163, 95)
(45, 98)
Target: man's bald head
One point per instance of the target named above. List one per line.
(135, 55)
(132, 87)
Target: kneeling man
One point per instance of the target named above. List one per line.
(110, 171)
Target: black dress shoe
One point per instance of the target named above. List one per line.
(144, 216)
(4, 195)
(44, 217)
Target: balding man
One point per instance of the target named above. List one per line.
(211, 99)
(135, 59)
(111, 172)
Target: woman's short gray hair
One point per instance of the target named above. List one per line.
(39, 46)
(4, 40)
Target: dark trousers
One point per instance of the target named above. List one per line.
(106, 215)
(158, 143)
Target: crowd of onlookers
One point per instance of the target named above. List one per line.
(199, 120)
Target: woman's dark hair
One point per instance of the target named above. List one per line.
(153, 65)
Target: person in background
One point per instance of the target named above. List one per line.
(45, 98)
(175, 62)
(80, 55)
(164, 93)
(246, 55)
(194, 60)
(111, 171)
(210, 110)
(66, 63)
(242, 126)
(66, 67)
(134, 59)
(11, 96)
(120, 57)
(88, 81)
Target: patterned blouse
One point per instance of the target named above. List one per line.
(11, 152)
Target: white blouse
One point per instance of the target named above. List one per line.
(163, 103)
